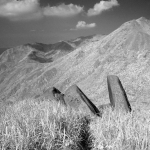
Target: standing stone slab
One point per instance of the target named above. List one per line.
(117, 94)
(77, 99)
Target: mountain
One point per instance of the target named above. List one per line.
(36, 52)
(46, 53)
(25, 61)
(80, 40)
(62, 45)
(125, 52)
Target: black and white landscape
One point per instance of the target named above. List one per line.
(85, 89)
(29, 70)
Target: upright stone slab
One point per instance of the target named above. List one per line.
(75, 98)
(117, 94)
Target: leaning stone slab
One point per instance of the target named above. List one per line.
(58, 95)
(47, 93)
(117, 94)
(54, 93)
(75, 98)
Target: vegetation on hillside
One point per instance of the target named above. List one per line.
(31, 125)
(47, 125)
(117, 131)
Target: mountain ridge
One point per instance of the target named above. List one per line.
(124, 52)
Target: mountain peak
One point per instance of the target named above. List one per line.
(137, 25)
(26, 72)
(145, 24)
(142, 19)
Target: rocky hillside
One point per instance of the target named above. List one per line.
(17, 62)
(125, 52)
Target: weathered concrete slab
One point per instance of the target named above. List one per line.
(58, 95)
(54, 93)
(47, 93)
(117, 94)
(78, 100)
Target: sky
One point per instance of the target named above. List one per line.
(50, 21)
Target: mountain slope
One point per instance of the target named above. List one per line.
(22, 64)
(46, 53)
(124, 52)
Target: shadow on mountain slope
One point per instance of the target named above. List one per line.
(33, 56)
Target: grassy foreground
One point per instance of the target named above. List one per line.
(116, 131)
(47, 125)
(30, 125)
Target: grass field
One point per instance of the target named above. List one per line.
(47, 125)
(116, 131)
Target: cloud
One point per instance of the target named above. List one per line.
(20, 10)
(63, 10)
(102, 6)
(30, 9)
(84, 25)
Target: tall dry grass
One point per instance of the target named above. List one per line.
(29, 125)
(117, 131)
(48, 125)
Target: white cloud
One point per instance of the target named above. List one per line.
(63, 10)
(84, 25)
(30, 9)
(102, 6)
(16, 10)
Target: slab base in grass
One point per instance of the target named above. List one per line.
(76, 99)
(117, 95)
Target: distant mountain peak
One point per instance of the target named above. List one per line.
(30, 70)
(142, 19)
(144, 24)
(136, 25)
